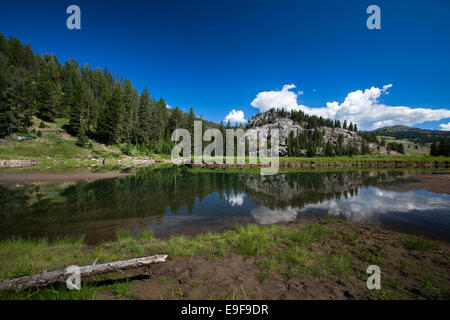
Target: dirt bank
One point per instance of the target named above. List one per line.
(410, 270)
(9, 177)
(438, 182)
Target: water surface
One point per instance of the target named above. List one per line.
(179, 201)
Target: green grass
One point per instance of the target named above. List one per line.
(122, 290)
(57, 292)
(430, 288)
(342, 159)
(55, 144)
(289, 252)
(365, 158)
(29, 256)
(417, 243)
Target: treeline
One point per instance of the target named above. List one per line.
(313, 144)
(370, 137)
(441, 149)
(416, 135)
(309, 121)
(394, 146)
(98, 105)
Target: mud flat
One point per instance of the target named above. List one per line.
(438, 182)
(11, 177)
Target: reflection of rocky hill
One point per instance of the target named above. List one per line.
(298, 189)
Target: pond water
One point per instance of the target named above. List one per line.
(179, 201)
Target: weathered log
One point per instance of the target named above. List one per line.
(46, 278)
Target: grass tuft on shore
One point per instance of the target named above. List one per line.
(417, 243)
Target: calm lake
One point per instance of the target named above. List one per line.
(179, 201)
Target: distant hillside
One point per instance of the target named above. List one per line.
(415, 135)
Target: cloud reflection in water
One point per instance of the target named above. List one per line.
(367, 206)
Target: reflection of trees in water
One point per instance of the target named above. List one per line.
(152, 191)
(299, 189)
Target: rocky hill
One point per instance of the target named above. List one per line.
(285, 125)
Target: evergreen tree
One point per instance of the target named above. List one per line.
(365, 148)
(290, 144)
(434, 150)
(108, 126)
(82, 138)
(350, 127)
(16, 99)
(76, 107)
(444, 147)
(47, 98)
(190, 122)
(311, 151)
(143, 119)
(329, 150)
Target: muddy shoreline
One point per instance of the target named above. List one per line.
(335, 164)
(20, 177)
(438, 182)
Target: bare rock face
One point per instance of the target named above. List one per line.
(285, 126)
(333, 135)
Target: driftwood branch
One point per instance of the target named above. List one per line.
(47, 278)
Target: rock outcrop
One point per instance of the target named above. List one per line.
(285, 126)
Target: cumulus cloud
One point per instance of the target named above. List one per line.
(282, 99)
(236, 200)
(236, 116)
(445, 127)
(264, 215)
(361, 107)
(371, 203)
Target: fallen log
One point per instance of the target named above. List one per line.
(46, 278)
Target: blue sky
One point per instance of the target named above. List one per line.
(217, 56)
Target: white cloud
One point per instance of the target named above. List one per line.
(236, 116)
(168, 107)
(361, 107)
(386, 88)
(372, 203)
(283, 99)
(445, 127)
(236, 200)
(264, 215)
